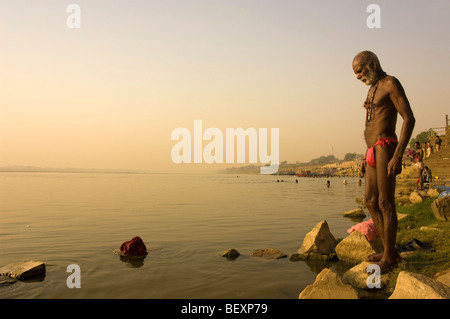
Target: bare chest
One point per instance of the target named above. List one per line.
(381, 116)
(378, 105)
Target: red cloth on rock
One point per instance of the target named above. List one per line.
(367, 228)
(134, 247)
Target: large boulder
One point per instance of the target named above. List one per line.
(367, 228)
(24, 270)
(416, 286)
(328, 285)
(443, 277)
(318, 241)
(358, 277)
(134, 247)
(355, 248)
(441, 208)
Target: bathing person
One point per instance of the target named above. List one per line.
(386, 99)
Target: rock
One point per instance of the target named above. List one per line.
(441, 208)
(404, 199)
(358, 212)
(400, 216)
(443, 277)
(432, 192)
(404, 191)
(415, 286)
(355, 248)
(24, 270)
(426, 228)
(367, 228)
(231, 253)
(415, 198)
(423, 194)
(268, 253)
(328, 285)
(317, 257)
(357, 277)
(298, 257)
(319, 240)
(310, 257)
(134, 247)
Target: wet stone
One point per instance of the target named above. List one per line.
(23, 270)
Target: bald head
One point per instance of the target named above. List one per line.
(367, 67)
(369, 59)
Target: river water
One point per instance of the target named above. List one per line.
(186, 222)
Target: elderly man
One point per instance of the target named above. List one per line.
(385, 99)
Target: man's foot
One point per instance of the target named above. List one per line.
(388, 265)
(374, 257)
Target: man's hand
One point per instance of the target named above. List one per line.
(394, 166)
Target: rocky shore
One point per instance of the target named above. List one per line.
(356, 283)
(320, 247)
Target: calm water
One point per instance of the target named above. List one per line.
(186, 221)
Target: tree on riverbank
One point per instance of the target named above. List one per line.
(422, 137)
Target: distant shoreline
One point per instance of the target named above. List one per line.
(342, 168)
(33, 169)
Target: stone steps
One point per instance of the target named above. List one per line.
(439, 163)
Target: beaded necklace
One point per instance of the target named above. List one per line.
(368, 104)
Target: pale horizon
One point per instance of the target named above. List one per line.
(109, 94)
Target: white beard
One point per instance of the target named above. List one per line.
(369, 79)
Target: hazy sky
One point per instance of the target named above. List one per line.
(109, 94)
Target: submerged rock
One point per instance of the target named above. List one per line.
(312, 257)
(268, 253)
(231, 253)
(24, 270)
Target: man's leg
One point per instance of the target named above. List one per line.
(386, 204)
(371, 199)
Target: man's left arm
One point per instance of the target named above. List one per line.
(401, 103)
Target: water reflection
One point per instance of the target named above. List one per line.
(133, 261)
